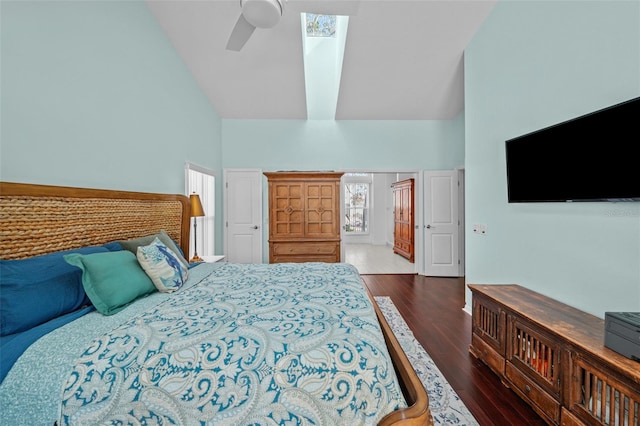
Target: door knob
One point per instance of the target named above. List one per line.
(254, 227)
(428, 226)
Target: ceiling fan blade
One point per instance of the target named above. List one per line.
(240, 34)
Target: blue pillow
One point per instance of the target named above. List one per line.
(38, 289)
(113, 246)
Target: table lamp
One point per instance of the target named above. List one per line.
(196, 212)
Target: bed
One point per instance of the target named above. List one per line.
(210, 343)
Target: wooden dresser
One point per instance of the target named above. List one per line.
(553, 356)
(403, 241)
(304, 216)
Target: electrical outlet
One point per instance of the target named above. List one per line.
(480, 229)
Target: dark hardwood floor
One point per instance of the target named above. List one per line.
(432, 307)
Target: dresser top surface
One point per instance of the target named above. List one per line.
(299, 175)
(579, 328)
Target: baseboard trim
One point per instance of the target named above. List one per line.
(467, 309)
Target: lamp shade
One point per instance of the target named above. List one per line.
(196, 206)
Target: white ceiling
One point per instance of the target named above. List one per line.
(403, 58)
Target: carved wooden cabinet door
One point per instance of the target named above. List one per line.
(287, 209)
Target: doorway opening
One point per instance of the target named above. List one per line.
(368, 228)
(438, 225)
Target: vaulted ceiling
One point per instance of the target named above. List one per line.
(403, 60)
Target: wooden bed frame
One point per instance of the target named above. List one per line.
(40, 219)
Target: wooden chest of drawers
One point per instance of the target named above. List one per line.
(310, 251)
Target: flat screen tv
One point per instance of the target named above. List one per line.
(590, 158)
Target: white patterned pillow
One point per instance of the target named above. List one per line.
(163, 267)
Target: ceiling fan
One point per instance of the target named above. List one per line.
(267, 13)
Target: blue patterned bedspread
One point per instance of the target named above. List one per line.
(249, 344)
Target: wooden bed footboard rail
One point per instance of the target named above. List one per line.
(417, 411)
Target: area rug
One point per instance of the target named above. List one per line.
(446, 406)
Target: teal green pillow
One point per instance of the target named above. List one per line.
(112, 280)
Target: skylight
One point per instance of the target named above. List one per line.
(323, 42)
(320, 25)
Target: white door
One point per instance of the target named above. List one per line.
(441, 224)
(243, 215)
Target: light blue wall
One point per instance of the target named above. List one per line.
(343, 145)
(531, 65)
(94, 95)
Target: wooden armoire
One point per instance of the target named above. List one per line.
(304, 216)
(403, 239)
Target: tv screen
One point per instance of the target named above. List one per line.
(589, 158)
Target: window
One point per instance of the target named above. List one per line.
(202, 182)
(356, 197)
(320, 25)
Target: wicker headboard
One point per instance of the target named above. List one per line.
(40, 219)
